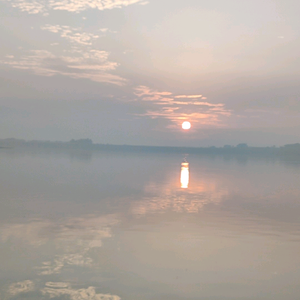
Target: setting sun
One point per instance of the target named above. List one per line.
(186, 125)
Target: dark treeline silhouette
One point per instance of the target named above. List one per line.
(87, 144)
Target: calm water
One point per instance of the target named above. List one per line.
(91, 226)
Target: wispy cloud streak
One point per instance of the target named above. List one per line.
(92, 64)
(188, 96)
(178, 108)
(74, 35)
(42, 6)
(79, 60)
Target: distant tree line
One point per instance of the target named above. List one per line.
(87, 144)
(14, 143)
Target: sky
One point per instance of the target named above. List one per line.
(131, 71)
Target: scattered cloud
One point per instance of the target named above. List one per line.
(76, 63)
(74, 35)
(44, 7)
(146, 91)
(31, 7)
(60, 261)
(81, 5)
(79, 61)
(178, 108)
(188, 96)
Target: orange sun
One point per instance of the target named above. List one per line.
(186, 125)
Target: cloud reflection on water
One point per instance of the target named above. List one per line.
(73, 239)
(59, 289)
(55, 290)
(21, 287)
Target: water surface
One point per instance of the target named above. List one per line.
(81, 225)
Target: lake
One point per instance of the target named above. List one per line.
(85, 225)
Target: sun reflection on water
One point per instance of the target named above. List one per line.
(180, 196)
(185, 175)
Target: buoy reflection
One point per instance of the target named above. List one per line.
(185, 175)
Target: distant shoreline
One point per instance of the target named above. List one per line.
(87, 144)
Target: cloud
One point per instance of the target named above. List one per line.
(187, 107)
(60, 261)
(188, 96)
(44, 7)
(76, 63)
(78, 60)
(146, 91)
(81, 5)
(74, 35)
(32, 7)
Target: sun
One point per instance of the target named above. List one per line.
(186, 125)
